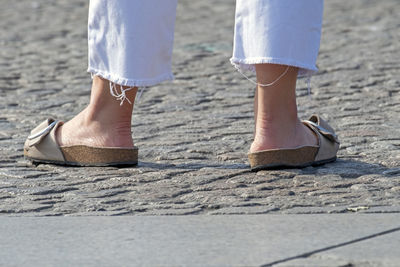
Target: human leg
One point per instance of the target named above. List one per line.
(277, 122)
(279, 40)
(130, 46)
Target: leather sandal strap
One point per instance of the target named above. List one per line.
(322, 127)
(327, 139)
(42, 141)
(41, 131)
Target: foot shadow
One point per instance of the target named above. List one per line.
(194, 165)
(350, 168)
(345, 168)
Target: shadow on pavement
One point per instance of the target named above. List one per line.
(346, 168)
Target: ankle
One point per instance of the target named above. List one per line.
(104, 103)
(277, 117)
(119, 125)
(272, 126)
(277, 134)
(81, 131)
(107, 118)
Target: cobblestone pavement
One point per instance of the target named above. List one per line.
(194, 133)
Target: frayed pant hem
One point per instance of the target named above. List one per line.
(247, 64)
(131, 82)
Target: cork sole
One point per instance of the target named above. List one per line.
(93, 156)
(286, 158)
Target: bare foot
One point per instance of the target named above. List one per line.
(84, 131)
(275, 136)
(103, 123)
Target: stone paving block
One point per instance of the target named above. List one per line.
(194, 132)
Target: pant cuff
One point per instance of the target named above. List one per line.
(131, 82)
(247, 64)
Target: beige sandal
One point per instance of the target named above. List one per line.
(42, 147)
(328, 145)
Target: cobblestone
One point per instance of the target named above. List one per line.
(194, 132)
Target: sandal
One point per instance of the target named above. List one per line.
(300, 157)
(42, 147)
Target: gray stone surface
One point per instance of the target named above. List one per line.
(193, 133)
(230, 240)
(378, 251)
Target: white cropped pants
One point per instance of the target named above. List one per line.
(130, 41)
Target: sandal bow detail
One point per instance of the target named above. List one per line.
(299, 157)
(41, 147)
